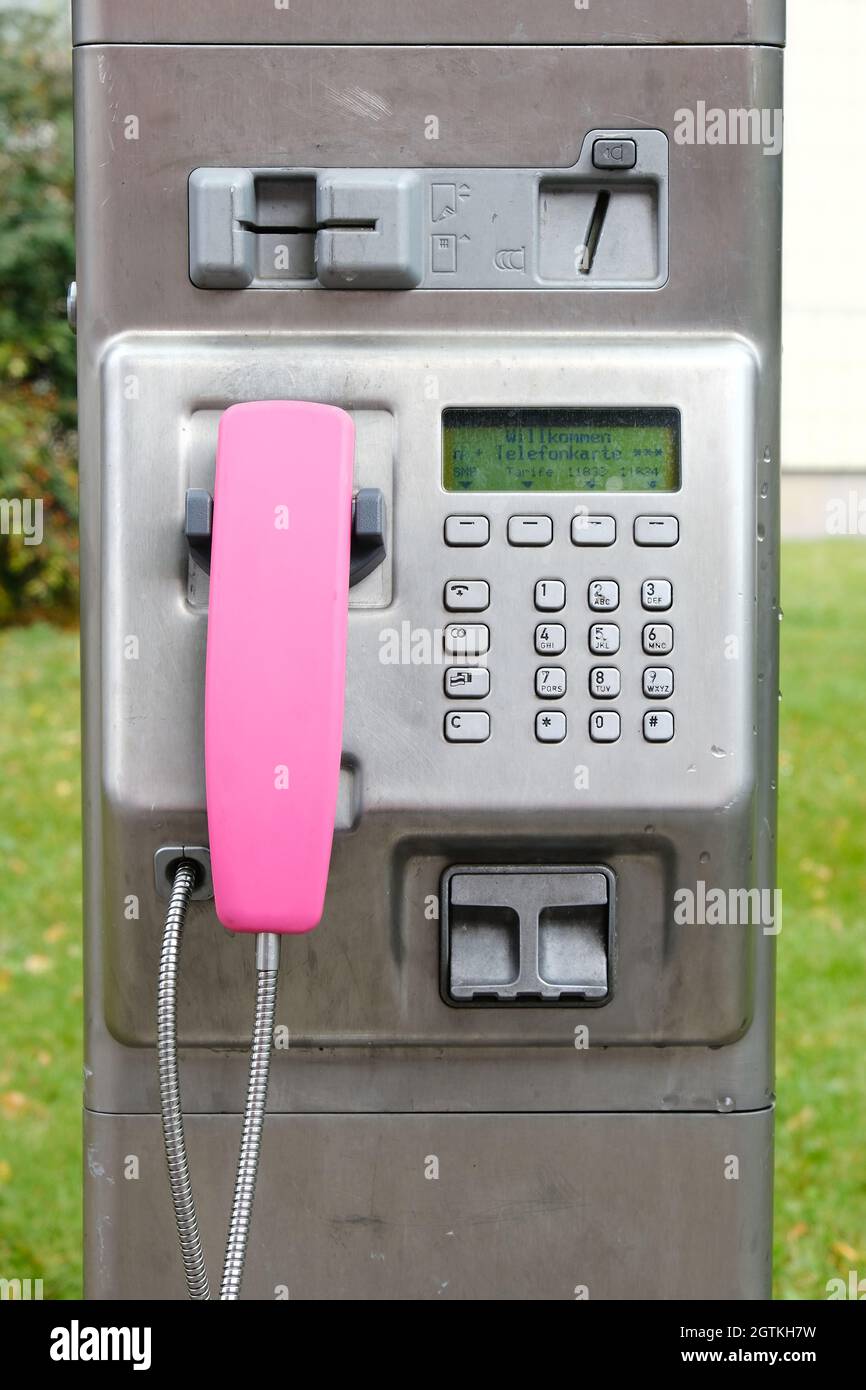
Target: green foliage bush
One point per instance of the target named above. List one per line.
(37, 350)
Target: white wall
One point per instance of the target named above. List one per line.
(824, 392)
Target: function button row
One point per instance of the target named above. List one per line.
(467, 595)
(585, 530)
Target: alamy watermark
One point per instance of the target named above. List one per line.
(846, 516)
(729, 907)
(711, 125)
(22, 517)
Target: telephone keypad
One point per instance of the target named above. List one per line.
(602, 684)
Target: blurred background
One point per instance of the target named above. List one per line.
(821, 1165)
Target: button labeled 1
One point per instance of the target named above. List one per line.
(550, 595)
(467, 726)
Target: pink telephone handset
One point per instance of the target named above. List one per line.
(276, 659)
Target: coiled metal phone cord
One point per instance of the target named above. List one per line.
(267, 969)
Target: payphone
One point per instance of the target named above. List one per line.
(429, 377)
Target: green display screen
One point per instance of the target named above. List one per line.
(560, 450)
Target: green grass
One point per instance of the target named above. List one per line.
(821, 1041)
(821, 1172)
(40, 960)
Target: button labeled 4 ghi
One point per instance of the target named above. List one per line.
(467, 595)
(550, 639)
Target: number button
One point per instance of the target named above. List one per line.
(550, 639)
(467, 530)
(658, 639)
(467, 595)
(550, 683)
(551, 726)
(604, 726)
(658, 726)
(603, 595)
(470, 639)
(656, 594)
(467, 726)
(658, 682)
(467, 682)
(605, 683)
(550, 595)
(604, 639)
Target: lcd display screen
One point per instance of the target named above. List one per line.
(504, 450)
